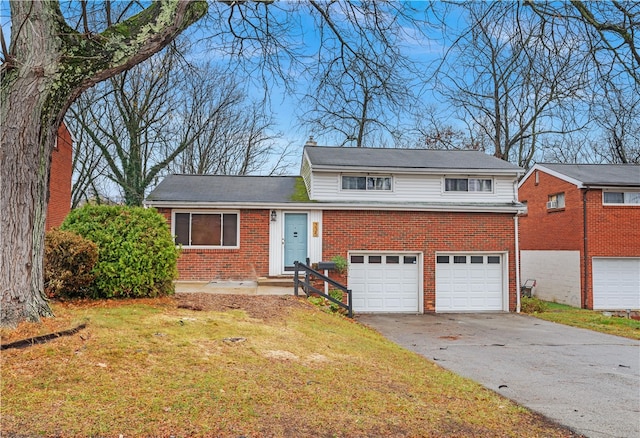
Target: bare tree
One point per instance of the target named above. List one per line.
(606, 36)
(236, 137)
(610, 31)
(361, 88)
(617, 114)
(89, 165)
(46, 66)
(353, 58)
(512, 83)
(165, 110)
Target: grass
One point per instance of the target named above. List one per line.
(583, 318)
(148, 368)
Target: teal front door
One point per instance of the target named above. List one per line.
(295, 239)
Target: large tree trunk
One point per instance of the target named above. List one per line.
(50, 66)
(27, 141)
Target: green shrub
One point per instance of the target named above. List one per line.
(328, 305)
(338, 295)
(136, 253)
(532, 305)
(68, 261)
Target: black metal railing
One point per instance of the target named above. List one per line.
(310, 275)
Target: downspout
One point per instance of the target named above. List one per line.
(585, 249)
(515, 221)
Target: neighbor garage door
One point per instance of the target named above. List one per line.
(384, 282)
(616, 283)
(469, 282)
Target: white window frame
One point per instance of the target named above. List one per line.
(366, 183)
(218, 212)
(558, 199)
(627, 195)
(471, 188)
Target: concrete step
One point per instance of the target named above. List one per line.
(276, 281)
(280, 287)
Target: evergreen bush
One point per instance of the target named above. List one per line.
(136, 252)
(68, 262)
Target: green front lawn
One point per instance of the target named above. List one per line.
(150, 368)
(583, 318)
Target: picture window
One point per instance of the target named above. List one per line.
(206, 229)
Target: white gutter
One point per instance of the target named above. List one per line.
(374, 170)
(455, 208)
(515, 222)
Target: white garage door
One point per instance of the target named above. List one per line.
(616, 283)
(469, 282)
(384, 282)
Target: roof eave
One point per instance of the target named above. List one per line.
(512, 208)
(416, 170)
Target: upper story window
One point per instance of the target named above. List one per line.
(621, 198)
(366, 183)
(555, 201)
(206, 229)
(468, 184)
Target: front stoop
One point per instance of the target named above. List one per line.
(264, 286)
(275, 286)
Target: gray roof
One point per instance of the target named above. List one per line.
(224, 188)
(406, 159)
(599, 174)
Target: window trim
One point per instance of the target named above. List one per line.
(620, 204)
(557, 207)
(208, 211)
(391, 182)
(468, 178)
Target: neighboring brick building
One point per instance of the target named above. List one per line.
(60, 179)
(422, 230)
(580, 238)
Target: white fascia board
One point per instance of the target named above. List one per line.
(306, 206)
(562, 176)
(406, 170)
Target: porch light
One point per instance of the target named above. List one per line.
(273, 216)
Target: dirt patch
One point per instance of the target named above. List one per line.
(257, 306)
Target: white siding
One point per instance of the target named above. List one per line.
(409, 188)
(557, 275)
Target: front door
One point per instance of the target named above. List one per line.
(295, 239)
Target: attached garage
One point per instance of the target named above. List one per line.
(470, 283)
(616, 283)
(385, 282)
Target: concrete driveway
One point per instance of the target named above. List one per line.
(587, 381)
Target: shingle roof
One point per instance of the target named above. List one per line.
(224, 188)
(599, 174)
(405, 158)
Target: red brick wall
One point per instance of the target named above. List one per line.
(425, 232)
(543, 229)
(249, 261)
(60, 180)
(612, 231)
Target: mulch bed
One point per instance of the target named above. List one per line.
(257, 306)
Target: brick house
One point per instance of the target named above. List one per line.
(580, 237)
(60, 179)
(422, 230)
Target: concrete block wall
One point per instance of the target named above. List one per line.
(557, 275)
